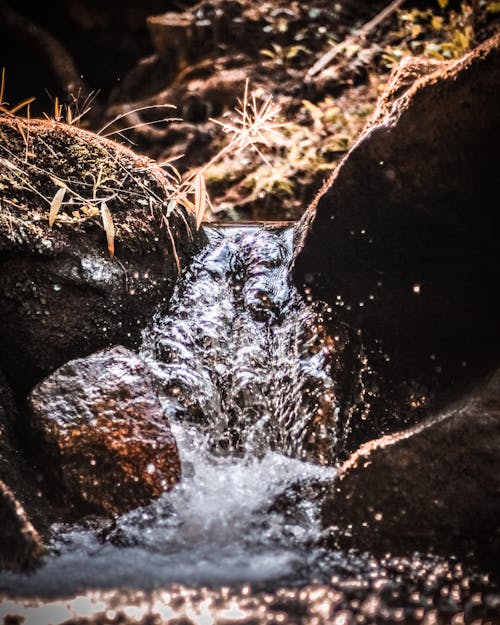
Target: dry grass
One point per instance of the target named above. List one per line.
(253, 127)
(74, 177)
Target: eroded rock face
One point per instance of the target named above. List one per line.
(20, 545)
(61, 294)
(403, 241)
(103, 432)
(436, 486)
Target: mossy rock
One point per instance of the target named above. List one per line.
(61, 294)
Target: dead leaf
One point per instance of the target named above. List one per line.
(200, 198)
(55, 205)
(109, 227)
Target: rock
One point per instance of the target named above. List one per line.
(16, 473)
(402, 242)
(20, 545)
(105, 437)
(176, 37)
(8, 417)
(61, 294)
(184, 38)
(436, 486)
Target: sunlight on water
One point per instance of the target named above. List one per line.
(243, 356)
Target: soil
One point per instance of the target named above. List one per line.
(217, 46)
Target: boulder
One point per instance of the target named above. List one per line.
(20, 545)
(103, 434)
(402, 242)
(436, 486)
(64, 291)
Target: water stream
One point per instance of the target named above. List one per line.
(241, 363)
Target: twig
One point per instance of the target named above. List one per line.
(334, 51)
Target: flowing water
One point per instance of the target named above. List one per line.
(242, 370)
(242, 365)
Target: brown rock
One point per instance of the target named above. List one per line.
(104, 433)
(20, 545)
(435, 486)
(173, 36)
(402, 242)
(61, 295)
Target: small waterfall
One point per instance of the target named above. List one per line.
(242, 355)
(241, 364)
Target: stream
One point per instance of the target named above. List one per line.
(242, 366)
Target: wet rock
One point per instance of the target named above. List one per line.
(103, 432)
(61, 294)
(436, 486)
(20, 545)
(402, 242)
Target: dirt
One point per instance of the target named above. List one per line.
(218, 46)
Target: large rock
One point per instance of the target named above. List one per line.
(104, 437)
(20, 545)
(436, 486)
(402, 242)
(61, 295)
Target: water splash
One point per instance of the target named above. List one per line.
(243, 356)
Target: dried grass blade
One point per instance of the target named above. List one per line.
(187, 204)
(55, 205)
(58, 182)
(22, 104)
(200, 198)
(2, 86)
(109, 227)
